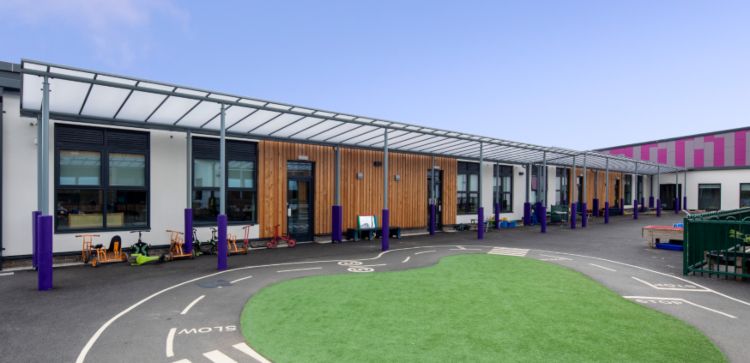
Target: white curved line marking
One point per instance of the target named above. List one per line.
(244, 348)
(240, 279)
(421, 252)
(187, 308)
(170, 343)
(406, 259)
(603, 268)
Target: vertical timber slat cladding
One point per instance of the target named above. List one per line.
(407, 199)
(600, 186)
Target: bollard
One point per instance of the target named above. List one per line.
(222, 243)
(385, 225)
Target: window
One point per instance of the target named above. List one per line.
(241, 192)
(628, 189)
(504, 175)
(744, 195)
(101, 179)
(536, 191)
(467, 185)
(709, 196)
(561, 186)
(639, 188)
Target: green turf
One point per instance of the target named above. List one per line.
(467, 308)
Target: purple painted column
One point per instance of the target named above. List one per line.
(606, 212)
(222, 243)
(658, 207)
(543, 221)
(584, 215)
(676, 204)
(684, 203)
(573, 215)
(385, 224)
(433, 216)
(526, 214)
(188, 246)
(34, 241)
(480, 223)
(44, 251)
(336, 221)
(635, 208)
(651, 202)
(497, 216)
(595, 209)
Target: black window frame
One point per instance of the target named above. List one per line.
(208, 149)
(700, 201)
(628, 189)
(107, 146)
(468, 169)
(639, 187)
(498, 173)
(740, 202)
(562, 192)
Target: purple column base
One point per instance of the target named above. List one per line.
(584, 216)
(526, 214)
(480, 223)
(651, 202)
(676, 204)
(222, 242)
(606, 212)
(573, 216)
(543, 221)
(385, 224)
(431, 227)
(595, 208)
(497, 216)
(44, 252)
(34, 241)
(188, 246)
(635, 208)
(658, 207)
(336, 220)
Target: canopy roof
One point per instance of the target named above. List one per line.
(96, 97)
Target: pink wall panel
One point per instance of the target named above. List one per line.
(740, 148)
(698, 158)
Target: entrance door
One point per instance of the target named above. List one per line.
(438, 176)
(617, 192)
(667, 192)
(299, 200)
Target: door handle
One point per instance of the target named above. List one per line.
(288, 212)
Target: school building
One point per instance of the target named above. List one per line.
(110, 154)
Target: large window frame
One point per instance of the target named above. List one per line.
(206, 150)
(701, 201)
(467, 188)
(746, 202)
(503, 175)
(83, 139)
(562, 186)
(628, 192)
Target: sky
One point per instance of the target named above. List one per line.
(576, 74)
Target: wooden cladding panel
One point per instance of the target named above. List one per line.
(596, 186)
(407, 199)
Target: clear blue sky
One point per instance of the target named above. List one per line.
(579, 74)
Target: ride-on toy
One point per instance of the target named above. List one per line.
(209, 247)
(277, 237)
(103, 255)
(176, 242)
(139, 247)
(233, 248)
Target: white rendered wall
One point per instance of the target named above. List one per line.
(730, 181)
(519, 190)
(168, 188)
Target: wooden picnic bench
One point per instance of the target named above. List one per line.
(657, 234)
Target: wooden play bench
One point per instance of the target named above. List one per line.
(367, 227)
(661, 234)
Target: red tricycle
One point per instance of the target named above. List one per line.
(277, 237)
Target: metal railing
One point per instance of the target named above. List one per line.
(718, 244)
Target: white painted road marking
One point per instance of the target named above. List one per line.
(244, 348)
(380, 264)
(360, 269)
(240, 279)
(301, 269)
(602, 267)
(350, 263)
(649, 299)
(421, 252)
(182, 361)
(7, 274)
(671, 287)
(170, 343)
(554, 258)
(187, 308)
(218, 357)
(406, 259)
(507, 251)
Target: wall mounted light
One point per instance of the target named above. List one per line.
(360, 175)
(397, 177)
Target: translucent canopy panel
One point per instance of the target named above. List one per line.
(90, 96)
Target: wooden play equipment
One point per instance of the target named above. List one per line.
(233, 249)
(176, 243)
(277, 237)
(97, 254)
(661, 234)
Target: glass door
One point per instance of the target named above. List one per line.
(438, 195)
(300, 204)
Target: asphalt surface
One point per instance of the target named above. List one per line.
(185, 311)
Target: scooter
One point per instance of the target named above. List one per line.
(176, 243)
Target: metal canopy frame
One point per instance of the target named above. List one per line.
(96, 97)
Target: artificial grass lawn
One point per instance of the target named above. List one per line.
(466, 308)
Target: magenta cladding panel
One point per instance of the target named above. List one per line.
(724, 149)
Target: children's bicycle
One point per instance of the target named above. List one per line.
(209, 247)
(277, 237)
